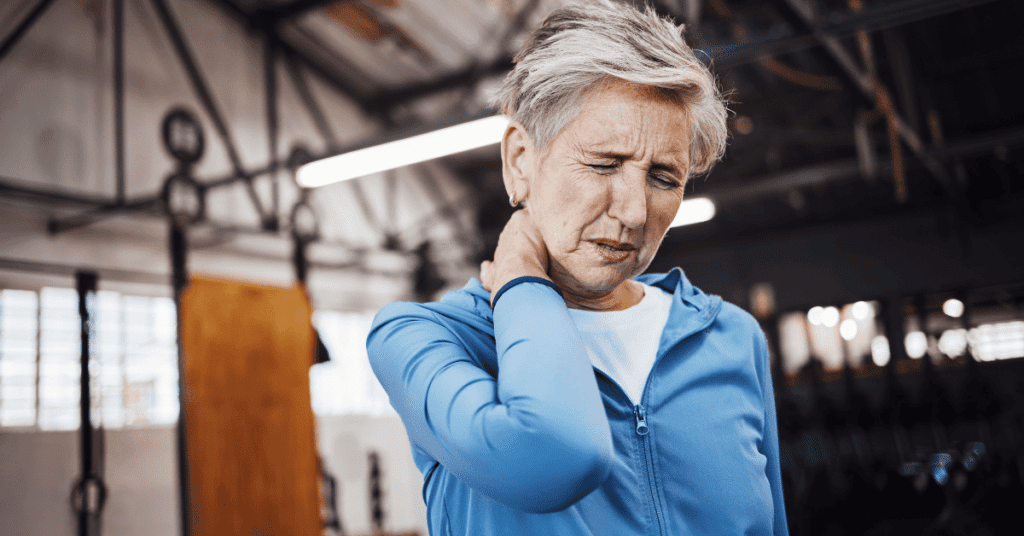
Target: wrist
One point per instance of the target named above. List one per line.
(524, 279)
(522, 268)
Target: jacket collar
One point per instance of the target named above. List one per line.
(692, 310)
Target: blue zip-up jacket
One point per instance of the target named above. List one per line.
(516, 433)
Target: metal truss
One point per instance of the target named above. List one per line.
(864, 83)
(723, 56)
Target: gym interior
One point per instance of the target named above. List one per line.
(159, 247)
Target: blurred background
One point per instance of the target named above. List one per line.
(868, 213)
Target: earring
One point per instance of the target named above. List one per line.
(512, 200)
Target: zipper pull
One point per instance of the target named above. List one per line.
(641, 420)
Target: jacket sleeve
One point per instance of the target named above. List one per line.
(536, 438)
(770, 438)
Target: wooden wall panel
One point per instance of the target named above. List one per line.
(251, 441)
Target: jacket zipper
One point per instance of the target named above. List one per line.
(641, 420)
(642, 430)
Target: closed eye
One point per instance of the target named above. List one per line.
(664, 182)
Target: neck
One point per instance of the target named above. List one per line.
(624, 296)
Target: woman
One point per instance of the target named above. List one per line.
(565, 393)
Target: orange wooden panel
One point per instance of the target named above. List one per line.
(251, 441)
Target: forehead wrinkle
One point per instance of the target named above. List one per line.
(671, 151)
(621, 128)
(613, 132)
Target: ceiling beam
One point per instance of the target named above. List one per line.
(723, 56)
(258, 21)
(847, 170)
(891, 15)
(459, 79)
(866, 85)
(8, 43)
(279, 13)
(325, 73)
(792, 179)
(15, 189)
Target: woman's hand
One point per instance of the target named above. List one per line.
(520, 252)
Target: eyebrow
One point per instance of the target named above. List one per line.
(659, 166)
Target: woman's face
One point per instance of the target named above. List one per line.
(607, 187)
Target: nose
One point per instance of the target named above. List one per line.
(629, 199)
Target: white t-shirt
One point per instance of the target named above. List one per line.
(624, 344)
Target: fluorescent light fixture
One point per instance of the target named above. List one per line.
(694, 210)
(404, 152)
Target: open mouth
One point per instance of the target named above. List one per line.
(614, 246)
(614, 251)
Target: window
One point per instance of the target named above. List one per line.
(134, 361)
(138, 358)
(19, 319)
(133, 365)
(346, 383)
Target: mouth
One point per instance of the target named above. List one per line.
(614, 250)
(614, 245)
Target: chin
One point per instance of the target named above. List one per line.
(603, 280)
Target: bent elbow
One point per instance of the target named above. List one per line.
(566, 476)
(590, 475)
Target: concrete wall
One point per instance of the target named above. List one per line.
(37, 470)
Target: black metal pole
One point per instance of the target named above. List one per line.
(270, 73)
(119, 154)
(922, 320)
(894, 329)
(896, 333)
(299, 259)
(965, 321)
(86, 283)
(179, 279)
(23, 27)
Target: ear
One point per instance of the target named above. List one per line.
(517, 156)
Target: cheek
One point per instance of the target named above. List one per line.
(569, 214)
(557, 227)
(663, 211)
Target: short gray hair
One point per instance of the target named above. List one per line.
(582, 46)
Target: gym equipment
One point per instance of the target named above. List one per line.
(246, 352)
(246, 432)
(89, 492)
(911, 448)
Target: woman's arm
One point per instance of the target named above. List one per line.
(536, 438)
(770, 439)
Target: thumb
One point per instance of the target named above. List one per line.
(485, 269)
